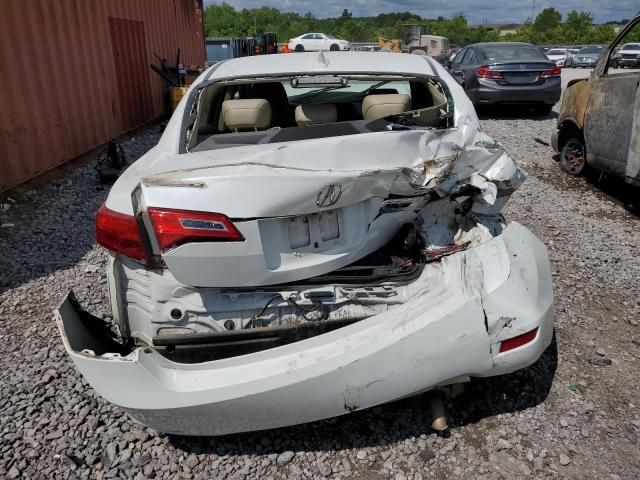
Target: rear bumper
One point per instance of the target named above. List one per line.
(490, 93)
(452, 329)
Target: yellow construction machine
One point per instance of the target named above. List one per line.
(390, 44)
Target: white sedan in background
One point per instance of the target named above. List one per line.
(558, 56)
(310, 42)
(309, 238)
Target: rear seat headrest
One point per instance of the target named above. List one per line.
(247, 114)
(380, 106)
(316, 114)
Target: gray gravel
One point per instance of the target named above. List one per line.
(574, 414)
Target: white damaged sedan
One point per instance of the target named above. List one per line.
(314, 234)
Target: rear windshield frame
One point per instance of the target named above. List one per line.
(190, 112)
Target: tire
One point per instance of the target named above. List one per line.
(543, 109)
(334, 48)
(299, 48)
(573, 156)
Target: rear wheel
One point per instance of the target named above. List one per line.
(299, 48)
(573, 156)
(334, 48)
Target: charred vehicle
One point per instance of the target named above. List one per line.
(314, 234)
(598, 126)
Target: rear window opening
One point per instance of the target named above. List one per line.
(262, 111)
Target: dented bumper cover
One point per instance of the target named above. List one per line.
(465, 305)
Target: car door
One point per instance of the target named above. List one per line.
(307, 41)
(610, 124)
(317, 42)
(469, 66)
(455, 68)
(466, 72)
(323, 42)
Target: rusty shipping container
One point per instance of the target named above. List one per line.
(76, 73)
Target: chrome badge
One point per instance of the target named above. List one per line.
(329, 195)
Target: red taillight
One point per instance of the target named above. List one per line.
(486, 72)
(555, 72)
(518, 341)
(175, 227)
(119, 233)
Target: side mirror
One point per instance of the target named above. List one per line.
(446, 63)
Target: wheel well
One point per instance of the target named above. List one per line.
(566, 130)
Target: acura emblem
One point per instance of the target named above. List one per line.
(329, 195)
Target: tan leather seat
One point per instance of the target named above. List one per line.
(247, 114)
(316, 114)
(380, 106)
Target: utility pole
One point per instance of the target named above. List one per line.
(533, 9)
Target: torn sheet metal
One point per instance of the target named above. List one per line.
(241, 181)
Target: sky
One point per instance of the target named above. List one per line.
(476, 11)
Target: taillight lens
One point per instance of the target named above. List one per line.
(119, 233)
(555, 72)
(486, 72)
(175, 227)
(518, 341)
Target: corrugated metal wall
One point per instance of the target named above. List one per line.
(75, 73)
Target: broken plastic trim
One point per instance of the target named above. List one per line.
(206, 347)
(92, 335)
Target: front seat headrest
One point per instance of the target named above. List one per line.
(380, 106)
(316, 114)
(247, 114)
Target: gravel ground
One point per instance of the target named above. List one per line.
(574, 414)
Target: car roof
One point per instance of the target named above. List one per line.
(324, 62)
(503, 44)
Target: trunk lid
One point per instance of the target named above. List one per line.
(303, 208)
(522, 73)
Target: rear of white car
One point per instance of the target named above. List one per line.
(265, 275)
(558, 56)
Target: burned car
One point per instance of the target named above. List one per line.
(598, 122)
(313, 234)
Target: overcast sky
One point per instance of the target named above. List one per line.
(476, 11)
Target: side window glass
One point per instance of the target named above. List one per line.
(458, 58)
(309, 36)
(470, 57)
(626, 54)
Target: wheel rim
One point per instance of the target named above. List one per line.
(573, 156)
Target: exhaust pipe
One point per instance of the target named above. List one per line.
(438, 415)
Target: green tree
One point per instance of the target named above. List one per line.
(224, 20)
(577, 27)
(547, 20)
